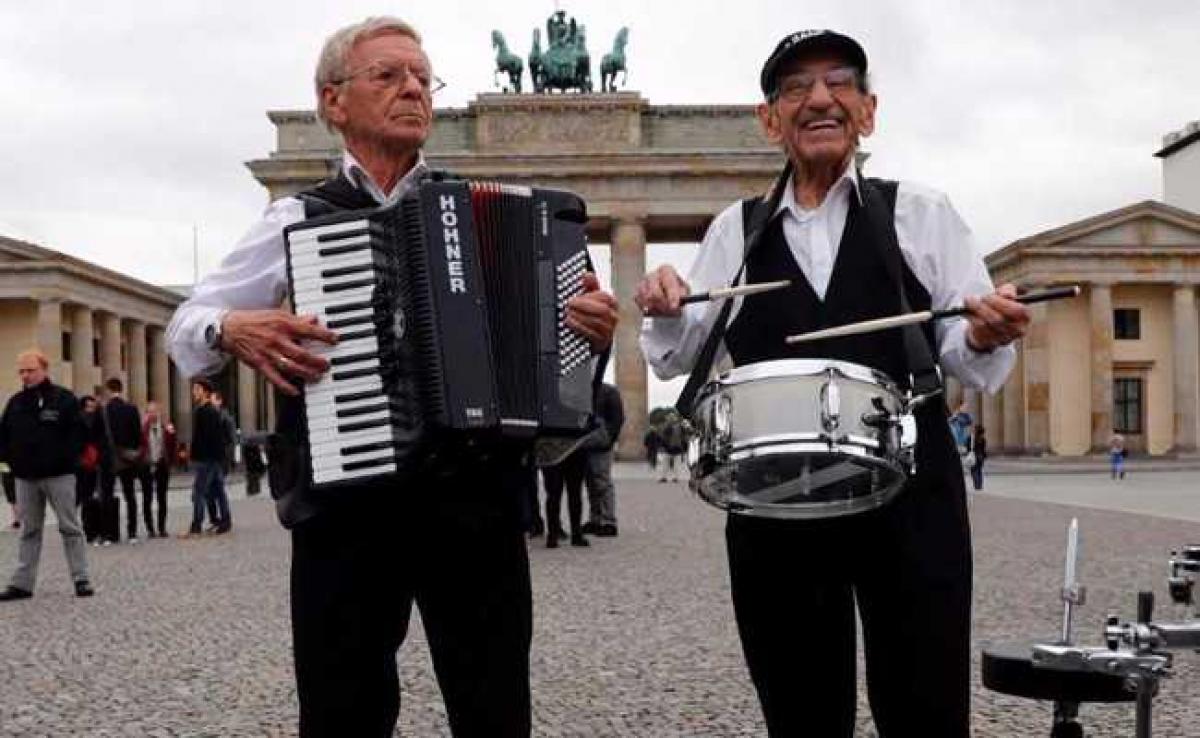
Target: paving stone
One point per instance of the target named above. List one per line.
(633, 636)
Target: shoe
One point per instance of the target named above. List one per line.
(133, 541)
(15, 593)
(662, 480)
(223, 529)
(590, 528)
(579, 540)
(551, 541)
(191, 533)
(84, 589)
(106, 543)
(608, 530)
(536, 528)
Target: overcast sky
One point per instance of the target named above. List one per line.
(128, 122)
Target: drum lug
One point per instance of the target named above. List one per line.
(831, 405)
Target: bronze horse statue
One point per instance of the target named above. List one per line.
(506, 62)
(565, 64)
(614, 62)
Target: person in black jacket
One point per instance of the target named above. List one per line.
(123, 425)
(40, 438)
(602, 495)
(208, 460)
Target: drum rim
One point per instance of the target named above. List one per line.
(790, 368)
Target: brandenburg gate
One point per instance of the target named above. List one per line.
(649, 174)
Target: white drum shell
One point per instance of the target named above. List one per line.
(798, 424)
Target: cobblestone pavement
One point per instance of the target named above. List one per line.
(633, 636)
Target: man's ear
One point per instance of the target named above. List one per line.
(866, 123)
(332, 100)
(769, 120)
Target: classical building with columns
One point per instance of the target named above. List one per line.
(91, 322)
(1123, 357)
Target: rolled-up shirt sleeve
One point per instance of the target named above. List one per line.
(253, 276)
(951, 268)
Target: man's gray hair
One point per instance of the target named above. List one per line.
(333, 66)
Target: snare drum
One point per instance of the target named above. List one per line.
(801, 438)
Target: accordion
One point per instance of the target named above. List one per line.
(449, 310)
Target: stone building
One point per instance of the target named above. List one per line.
(91, 322)
(1122, 357)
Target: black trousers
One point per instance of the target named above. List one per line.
(908, 567)
(569, 473)
(454, 546)
(107, 487)
(154, 479)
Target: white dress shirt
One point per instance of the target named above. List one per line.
(934, 241)
(254, 275)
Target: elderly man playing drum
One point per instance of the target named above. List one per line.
(853, 249)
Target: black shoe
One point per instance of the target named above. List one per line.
(551, 541)
(536, 529)
(560, 533)
(83, 589)
(591, 528)
(608, 530)
(579, 540)
(15, 593)
(223, 529)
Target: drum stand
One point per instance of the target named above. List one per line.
(1135, 660)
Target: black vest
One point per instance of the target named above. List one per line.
(860, 288)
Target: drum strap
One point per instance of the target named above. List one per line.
(879, 205)
(755, 214)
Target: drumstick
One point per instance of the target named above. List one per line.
(739, 291)
(880, 324)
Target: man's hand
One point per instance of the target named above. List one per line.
(995, 320)
(659, 293)
(593, 314)
(269, 341)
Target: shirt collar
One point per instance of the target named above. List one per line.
(848, 179)
(361, 179)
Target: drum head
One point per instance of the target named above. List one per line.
(801, 485)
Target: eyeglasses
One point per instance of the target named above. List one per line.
(384, 76)
(797, 87)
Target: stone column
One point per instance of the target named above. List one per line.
(110, 346)
(247, 389)
(182, 402)
(1186, 341)
(48, 337)
(1037, 382)
(991, 408)
(628, 266)
(1101, 317)
(138, 381)
(83, 378)
(1013, 405)
(160, 370)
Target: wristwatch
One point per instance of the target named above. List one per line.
(213, 334)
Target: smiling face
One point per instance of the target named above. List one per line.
(385, 100)
(819, 124)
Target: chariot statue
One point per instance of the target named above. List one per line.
(565, 64)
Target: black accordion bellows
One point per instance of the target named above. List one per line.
(453, 302)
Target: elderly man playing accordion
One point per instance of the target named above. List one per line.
(450, 540)
(907, 563)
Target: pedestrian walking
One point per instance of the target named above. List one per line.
(1117, 454)
(978, 446)
(602, 493)
(41, 435)
(674, 443)
(122, 425)
(158, 447)
(652, 442)
(208, 461)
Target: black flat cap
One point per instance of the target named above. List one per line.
(821, 39)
